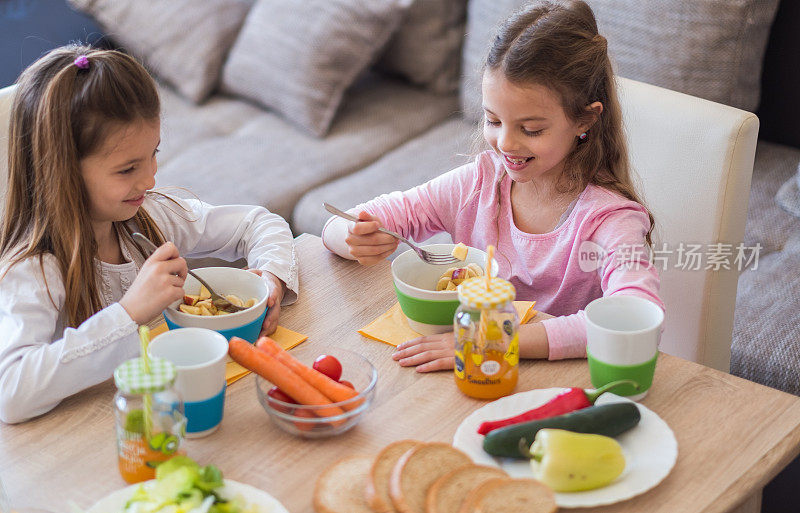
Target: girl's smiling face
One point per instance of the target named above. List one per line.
(121, 171)
(526, 125)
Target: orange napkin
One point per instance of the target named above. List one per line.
(233, 371)
(392, 327)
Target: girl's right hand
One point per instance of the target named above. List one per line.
(158, 284)
(367, 244)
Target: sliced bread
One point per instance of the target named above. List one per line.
(377, 488)
(340, 489)
(417, 470)
(507, 495)
(448, 492)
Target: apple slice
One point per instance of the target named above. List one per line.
(190, 299)
(194, 310)
(460, 251)
(204, 293)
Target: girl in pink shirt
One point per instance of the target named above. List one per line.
(554, 193)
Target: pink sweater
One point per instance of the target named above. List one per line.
(562, 270)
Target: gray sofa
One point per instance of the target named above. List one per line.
(397, 127)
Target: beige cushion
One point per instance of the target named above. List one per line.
(183, 42)
(707, 48)
(427, 47)
(298, 58)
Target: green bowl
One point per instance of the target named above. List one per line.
(429, 311)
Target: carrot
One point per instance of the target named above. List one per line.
(271, 369)
(333, 390)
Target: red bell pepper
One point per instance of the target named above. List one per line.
(565, 402)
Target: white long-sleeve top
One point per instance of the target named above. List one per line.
(42, 361)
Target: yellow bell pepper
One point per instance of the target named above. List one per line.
(572, 462)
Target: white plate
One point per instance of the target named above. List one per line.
(650, 448)
(115, 501)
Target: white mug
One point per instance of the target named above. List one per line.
(199, 355)
(622, 337)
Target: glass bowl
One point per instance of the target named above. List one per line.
(308, 421)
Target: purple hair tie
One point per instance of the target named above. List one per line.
(82, 62)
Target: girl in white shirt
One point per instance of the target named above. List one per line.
(74, 287)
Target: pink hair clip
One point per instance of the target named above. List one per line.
(82, 62)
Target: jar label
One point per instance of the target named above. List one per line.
(490, 367)
(459, 365)
(512, 354)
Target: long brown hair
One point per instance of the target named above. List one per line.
(61, 114)
(555, 43)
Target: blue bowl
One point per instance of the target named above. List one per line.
(225, 280)
(249, 331)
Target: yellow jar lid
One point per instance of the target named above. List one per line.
(474, 294)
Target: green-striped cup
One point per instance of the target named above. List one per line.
(622, 336)
(429, 311)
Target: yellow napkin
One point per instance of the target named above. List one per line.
(392, 327)
(233, 371)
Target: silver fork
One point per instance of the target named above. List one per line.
(427, 256)
(216, 299)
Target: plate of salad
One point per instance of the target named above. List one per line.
(649, 448)
(183, 486)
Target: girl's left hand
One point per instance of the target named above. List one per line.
(429, 353)
(273, 302)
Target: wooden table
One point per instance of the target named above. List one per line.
(733, 435)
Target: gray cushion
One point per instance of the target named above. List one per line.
(768, 224)
(441, 149)
(789, 195)
(427, 47)
(298, 57)
(184, 124)
(182, 41)
(766, 328)
(707, 48)
(269, 162)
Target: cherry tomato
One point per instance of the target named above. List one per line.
(329, 366)
(347, 384)
(280, 395)
(306, 414)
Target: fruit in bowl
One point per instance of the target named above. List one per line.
(201, 303)
(290, 414)
(245, 324)
(455, 276)
(429, 310)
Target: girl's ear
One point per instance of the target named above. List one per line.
(593, 111)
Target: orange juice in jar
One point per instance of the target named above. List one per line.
(150, 425)
(486, 339)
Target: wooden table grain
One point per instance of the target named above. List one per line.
(733, 435)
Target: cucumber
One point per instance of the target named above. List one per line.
(607, 419)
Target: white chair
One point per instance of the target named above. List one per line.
(694, 159)
(6, 97)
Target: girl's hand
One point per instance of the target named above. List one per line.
(273, 302)
(430, 353)
(158, 284)
(367, 244)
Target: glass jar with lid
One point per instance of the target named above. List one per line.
(486, 339)
(150, 424)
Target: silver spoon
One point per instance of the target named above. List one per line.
(216, 299)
